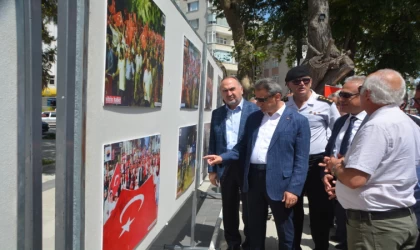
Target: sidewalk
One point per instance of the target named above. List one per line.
(271, 235)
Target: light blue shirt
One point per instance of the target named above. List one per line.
(233, 120)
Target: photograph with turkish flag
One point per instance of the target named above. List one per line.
(186, 158)
(135, 48)
(131, 191)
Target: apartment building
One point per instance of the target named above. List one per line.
(215, 30)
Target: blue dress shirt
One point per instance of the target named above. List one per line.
(233, 120)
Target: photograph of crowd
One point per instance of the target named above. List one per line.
(186, 158)
(219, 95)
(135, 46)
(209, 87)
(191, 76)
(206, 142)
(131, 180)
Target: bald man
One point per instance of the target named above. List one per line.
(377, 177)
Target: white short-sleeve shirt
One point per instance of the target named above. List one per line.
(387, 147)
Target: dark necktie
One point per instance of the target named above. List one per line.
(346, 139)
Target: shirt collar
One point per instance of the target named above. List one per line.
(310, 101)
(359, 116)
(279, 112)
(239, 107)
(383, 109)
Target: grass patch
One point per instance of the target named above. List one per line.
(49, 136)
(46, 161)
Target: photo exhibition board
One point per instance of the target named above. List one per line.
(135, 46)
(134, 120)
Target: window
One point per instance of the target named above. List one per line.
(223, 56)
(193, 6)
(211, 37)
(211, 19)
(209, 5)
(276, 78)
(194, 23)
(222, 22)
(275, 63)
(221, 40)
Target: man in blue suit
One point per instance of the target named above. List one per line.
(341, 137)
(274, 153)
(227, 128)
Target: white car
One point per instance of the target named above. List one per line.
(49, 117)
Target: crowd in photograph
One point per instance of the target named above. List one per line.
(191, 75)
(134, 58)
(133, 170)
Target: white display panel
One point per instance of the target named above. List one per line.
(108, 124)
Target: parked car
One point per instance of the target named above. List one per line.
(49, 117)
(45, 127)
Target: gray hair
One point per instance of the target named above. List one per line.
(355, 78)
(380, 90)
(270, 85)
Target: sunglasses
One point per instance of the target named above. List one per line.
(414, 100)
(263, 99)
(347, 95)
(359, 89)
(304, 80)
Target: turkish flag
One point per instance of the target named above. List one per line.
(116, 179)
(328, 90)
(134, 216)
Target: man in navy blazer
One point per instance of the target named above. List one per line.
(227, 128)
(274, 153)
(341, 136)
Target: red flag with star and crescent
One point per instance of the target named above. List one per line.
(134, 216)
(116, 179)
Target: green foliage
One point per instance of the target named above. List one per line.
(49, 15)
(379, 33)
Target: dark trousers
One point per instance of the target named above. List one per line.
(341, 218)
(258, 201)
(231, 183)
(321, 208)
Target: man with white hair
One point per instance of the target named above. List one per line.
(377, 177)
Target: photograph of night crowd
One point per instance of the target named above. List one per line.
(186, 158)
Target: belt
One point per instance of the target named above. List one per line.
(259, 166)
(316, 156)
(379, 215)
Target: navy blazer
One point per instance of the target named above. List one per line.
(218, 142)
(287, 155)
(329, 149)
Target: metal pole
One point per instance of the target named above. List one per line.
(199, 159)
(29, 229)
(71, 107)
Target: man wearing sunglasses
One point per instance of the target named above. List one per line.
(342, 134)
(376, 179)
(226, 129)
(321, 114)
(274, 154)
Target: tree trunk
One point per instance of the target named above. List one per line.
(327, 64)
(244, 49)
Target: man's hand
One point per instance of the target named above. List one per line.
(289, 199)
(213, 159)
(328, 187)
(213, 178)
(329, 163)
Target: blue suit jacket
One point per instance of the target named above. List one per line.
(218, 142)
(287, 155)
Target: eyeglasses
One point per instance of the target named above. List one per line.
(359, 89)
(347, 95)
(262, 99)
(414, 100)
(304, 80)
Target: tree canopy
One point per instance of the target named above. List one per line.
(49, 15)
(379, 34)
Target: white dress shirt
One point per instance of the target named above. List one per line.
(387, 147)
(233, 120)
(265, 133)
(357, 123)
(321, 116)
